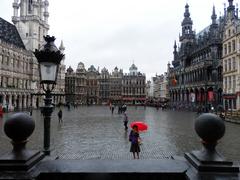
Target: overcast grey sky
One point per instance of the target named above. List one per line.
(109, 33)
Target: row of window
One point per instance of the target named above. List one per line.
(7, 62)
(230, 47)
(230, 83)
(8, 82)
(229, 33)
(230, 64)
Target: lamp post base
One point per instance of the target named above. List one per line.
(47, 152)
(20, 161)
(205, 161)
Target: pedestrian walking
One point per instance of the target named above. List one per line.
(124, 108)
(135, 140)
(125, 121)
(30, 110)
(60, 116)
(112, 109)
(110, 106)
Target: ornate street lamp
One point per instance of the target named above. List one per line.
(49, 58)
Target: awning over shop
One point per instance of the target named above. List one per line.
(132, 99)
(229, 96)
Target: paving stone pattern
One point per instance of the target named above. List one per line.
(94, 133)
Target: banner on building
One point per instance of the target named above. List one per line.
(192, 97)
(210, 96)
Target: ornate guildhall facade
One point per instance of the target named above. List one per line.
(195, 78)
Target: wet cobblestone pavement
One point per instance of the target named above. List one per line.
(94, 133)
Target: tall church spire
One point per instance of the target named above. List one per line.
(187, 13)
(187, 32)
(62, 49)
(175, 50)
(31, 22)
(231, 10)
(214, 16)
(175, 45)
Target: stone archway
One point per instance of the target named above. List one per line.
(37, 102)
(187, 96)
(202, 97)
(23, 102)
(18, 102)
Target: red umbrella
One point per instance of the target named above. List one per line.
(141, 125)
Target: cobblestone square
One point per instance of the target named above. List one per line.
(94, 133)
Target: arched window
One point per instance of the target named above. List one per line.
(29, 6)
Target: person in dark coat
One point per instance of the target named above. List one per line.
(134, 138)
(60, 116)
(113, 109)
(125, 121)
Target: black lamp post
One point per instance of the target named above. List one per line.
(49, 58)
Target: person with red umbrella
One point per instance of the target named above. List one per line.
(134, 138)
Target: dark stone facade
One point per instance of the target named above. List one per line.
(195, 78)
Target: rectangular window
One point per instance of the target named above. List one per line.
(229, 82)
(233, 63)
(225, 66)
(225, 49)
(7, 61)
(229, 47)
(234, 45)
(234, 84)
(229, 64)
(29, 6)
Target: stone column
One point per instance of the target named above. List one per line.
(14, 101)
(24, 101)
(29, 100)
(33, 101)
(20, 102)
(4, 99)
(10, 102)
(238, 102)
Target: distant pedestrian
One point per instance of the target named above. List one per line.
(125, 121)
(135, 139)
(30, 110)
(60, 116)
(124, 108)
(119, 109)
(113, 109)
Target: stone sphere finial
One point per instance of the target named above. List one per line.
(19, 127)
(210, 128)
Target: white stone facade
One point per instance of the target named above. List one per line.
(231, 60)
(159, 86)
(31, 22)
(18, 77)
(19, 71)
